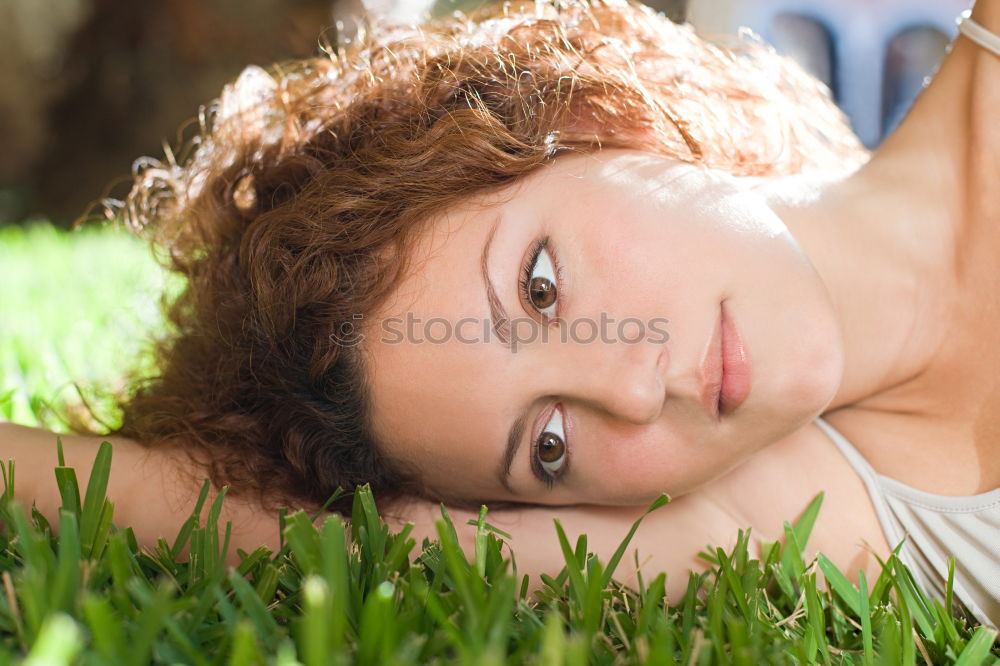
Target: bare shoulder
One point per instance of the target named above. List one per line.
(984, 132)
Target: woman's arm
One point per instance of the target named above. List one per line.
(668, 539)
(944, 151)
(154, 492)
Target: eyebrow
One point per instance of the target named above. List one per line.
(513, 444)
(500, 321)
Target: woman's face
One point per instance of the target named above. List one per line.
(611, 269)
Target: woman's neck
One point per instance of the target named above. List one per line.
(907, 245)
(884, 255)
(908, 254)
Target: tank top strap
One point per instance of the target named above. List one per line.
(894, 531)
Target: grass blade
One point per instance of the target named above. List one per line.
(978, 648)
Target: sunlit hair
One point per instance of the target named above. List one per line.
(292, 210)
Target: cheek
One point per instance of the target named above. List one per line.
(641, 466)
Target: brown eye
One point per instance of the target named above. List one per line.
(550, 448)
(539, 283)
(541, 292)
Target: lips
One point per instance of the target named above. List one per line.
(724, 372)
(736, 376)
(710, 371)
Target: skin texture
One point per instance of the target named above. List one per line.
(635, 236)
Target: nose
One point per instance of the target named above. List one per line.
(625, 380)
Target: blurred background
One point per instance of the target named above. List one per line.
(86, 86)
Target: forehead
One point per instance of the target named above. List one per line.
(433, 396)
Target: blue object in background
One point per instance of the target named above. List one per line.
(875, 55)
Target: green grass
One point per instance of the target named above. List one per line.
(77, 306)
(75, 309)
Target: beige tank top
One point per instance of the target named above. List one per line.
(936, 528)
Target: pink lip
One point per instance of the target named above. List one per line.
(736, 376)
(725, 369)
(710, 372)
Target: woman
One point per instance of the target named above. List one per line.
(560, 259)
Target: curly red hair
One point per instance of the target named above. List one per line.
(290, 212)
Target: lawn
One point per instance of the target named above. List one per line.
(75, 309)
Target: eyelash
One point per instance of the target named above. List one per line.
(529, 263)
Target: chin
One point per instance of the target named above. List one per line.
(815, 375)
